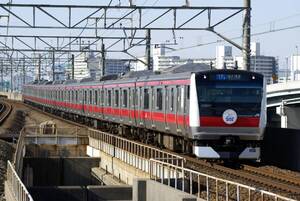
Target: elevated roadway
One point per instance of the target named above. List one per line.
(283, 101)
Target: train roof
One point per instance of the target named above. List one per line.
(177, 72)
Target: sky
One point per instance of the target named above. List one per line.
(267, 15)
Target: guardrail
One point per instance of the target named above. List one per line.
(16, 188)
(132, 153)
(19, 154)
(37, 130)
(206, 186)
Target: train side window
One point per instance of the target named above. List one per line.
(178, 99)
(76, 96)
(91, 97)
(172, 100)
(96, 97)
(102, 97)
(159, 99)
(109, 97)
(188, 92)
(146, 99)
(182, 99)
(125, 98)
(85, 96)
(116, 98)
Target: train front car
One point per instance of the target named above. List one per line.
(227, 114)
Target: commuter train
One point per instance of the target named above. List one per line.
(215, 114)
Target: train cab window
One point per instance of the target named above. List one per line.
(125, 98)
(96, 97)
(117, 98)
(146, 99)
(159, 99)
(109, 97)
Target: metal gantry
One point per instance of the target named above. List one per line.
(131, 27)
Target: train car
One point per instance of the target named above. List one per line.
(212, 113)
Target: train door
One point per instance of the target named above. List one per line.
(133, 105)
(186, 109)
(158, 115)
(116, 110)
(90, 104)
(101, 102)
(140, 107)
(147, 94)
(180, 108)
(171, 117)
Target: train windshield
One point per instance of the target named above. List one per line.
(243, 94)
(237, 92)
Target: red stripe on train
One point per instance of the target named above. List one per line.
(240, 122)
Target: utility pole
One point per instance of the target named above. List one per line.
(148, 49)
(11, 74)
(103, 58)
(39, 68)
(53, 66)
(247, 35)
(73, 67)
(24, 73)
(2, 84)
(2, 80)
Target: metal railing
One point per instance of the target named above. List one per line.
(37, 130)
(206, 186)
(19, 154)
(135, 154)
(15, 185)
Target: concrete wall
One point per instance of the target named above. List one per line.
(97, 193)
(59, 171)
(281, 148)
(77, 193)
(293, 117)
(119, 169)
(41, 151)
(149, 190)
(12, 96)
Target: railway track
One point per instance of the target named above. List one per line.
(282, 184)
(5, 109)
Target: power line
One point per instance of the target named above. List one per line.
(238, 37)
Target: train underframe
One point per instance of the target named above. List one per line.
(228, 147)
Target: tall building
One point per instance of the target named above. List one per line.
(266, 65)
(295, 67)
(161, 61)
(86, 65)
(140, 64)
(116, 66)
(224, 57)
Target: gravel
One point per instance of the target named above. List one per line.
(6, 153)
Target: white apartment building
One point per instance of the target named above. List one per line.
(295, 67)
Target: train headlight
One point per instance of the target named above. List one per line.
(253, 77)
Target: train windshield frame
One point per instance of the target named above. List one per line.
(219, 91)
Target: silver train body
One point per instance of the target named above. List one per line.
(222, 112)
